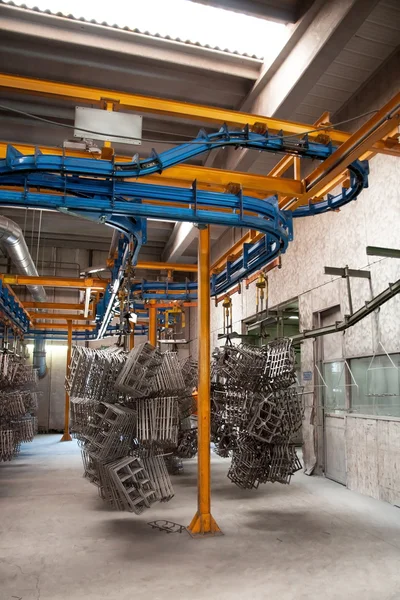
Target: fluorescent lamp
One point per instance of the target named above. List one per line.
(162, 220)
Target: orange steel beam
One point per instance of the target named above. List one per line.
(182, 175)
(158, 266)
(341, 179)
(60, 317)
(377, 127)
(272, 265)
(131, 340)
(287, 161)
(277, 171)
(203, 522)
(237, 288)
(55, 305)
(178, 303)
(146, 104)
(182, 292)
(67, 436)
(153, 323)
(62, 326)
(235, 250)
(68, 282)
(282, 166)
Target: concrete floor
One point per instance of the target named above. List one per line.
(312, 539)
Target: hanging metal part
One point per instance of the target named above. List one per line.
(227, 307)
(262, 291)
(256, 410)
(370, 306)
(127, 411)
(18, 399)
(346, 273)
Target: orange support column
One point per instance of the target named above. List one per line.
(132, 338)
(67, 436)
(203, 523)
(153, 323)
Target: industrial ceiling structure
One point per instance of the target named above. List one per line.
(353, 41)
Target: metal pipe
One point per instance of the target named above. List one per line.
(13, 242)
(203, 523)
(67, 436)
(153, 323)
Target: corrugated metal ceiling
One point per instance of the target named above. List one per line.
(192, 19)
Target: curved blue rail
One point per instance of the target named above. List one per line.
(56, 334)
(17, 163)
(96, 189)
(204, 142)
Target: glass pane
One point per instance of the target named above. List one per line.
(379, 385)
(334, 393)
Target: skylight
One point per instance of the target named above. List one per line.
(178, 19)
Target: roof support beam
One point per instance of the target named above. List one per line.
(181, 238)
(278, 96)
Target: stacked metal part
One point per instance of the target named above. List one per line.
(139, 414)
(18, 404)
(256, 411)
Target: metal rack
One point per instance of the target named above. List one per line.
(256, 411)
(130, 424)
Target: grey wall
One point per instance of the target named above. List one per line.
(373, 457)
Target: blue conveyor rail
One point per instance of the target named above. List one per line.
(98, 190)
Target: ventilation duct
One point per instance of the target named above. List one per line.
(13, 242)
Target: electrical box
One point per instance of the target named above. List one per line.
(111, 125)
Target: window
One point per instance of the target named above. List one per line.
(333, 386)
(378, 379)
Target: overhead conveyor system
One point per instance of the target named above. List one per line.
(103, 191)
(80, 94)
(124, 193)
(98, 190)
